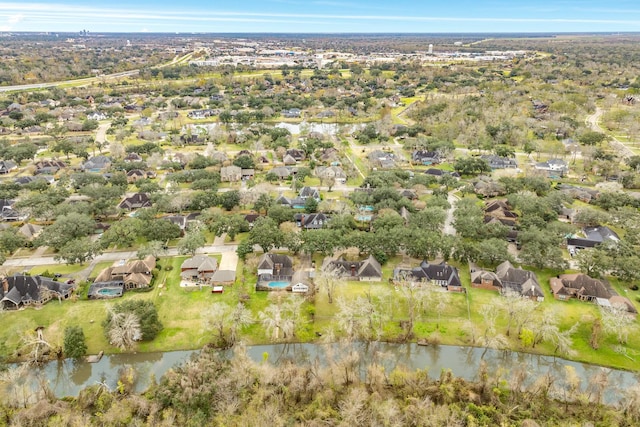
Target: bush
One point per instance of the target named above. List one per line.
(74, 342)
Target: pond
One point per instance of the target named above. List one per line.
(67, 378)
(331, 129)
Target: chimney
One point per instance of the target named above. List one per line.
(533, 290)
(5, 285)
(353, 270)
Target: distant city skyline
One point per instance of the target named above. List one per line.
(322, 16)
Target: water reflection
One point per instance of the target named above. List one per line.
(69, 377)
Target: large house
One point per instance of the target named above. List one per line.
(592, 237)
(499, 162)
(49, 167)
(275, 267)
(133, 274)
(199, 268)
(136, 201)
(21, 291)
(230, 173)
(441, 274)
(7, 166)
(585, 288)
(331, 172)
(553, 167)
(423, 157)
(366, 270)
(311, 221)
(506, 279)
(97, 164)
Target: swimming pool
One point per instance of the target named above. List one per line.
(112, 292)
(278, 284)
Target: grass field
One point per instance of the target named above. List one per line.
(183, 314)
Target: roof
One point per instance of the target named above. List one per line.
(521, 281)
(223, 276)
(587, 286)
(200, 263)
(267, 261)
(442, 271)
(369, 267)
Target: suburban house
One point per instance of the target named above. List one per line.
(423, 157)
(282, 172)
(97, 164)
(199, 268)
(49, 167)
(439, 173)
(20, 291)
(247, 174)
(7, 166)
(585, 288)
(553, 167)
(311, 221)
(501, 211)
(296, 153)
(487, 187)
(230, 173)
(132, 158)
(309, 193)
(135, 175)
(30, 231)
(499, 162)
(136, 201)
(367, 270)
(96, 115)
(382, 159)
(8, 213)
(592, 237)
(133, 274)
(275, 267)
(291, 113)
(507, 278)
(289, 160)
(441, 274)
(331, 172)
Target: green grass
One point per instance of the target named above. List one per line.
(57, 268)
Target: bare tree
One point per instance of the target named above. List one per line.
(282, 317)
(358, 318)
(226, 321)
(329, 281)
(616, 320)
(36, 345)
(124, 329)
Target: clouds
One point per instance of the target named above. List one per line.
(314, 16)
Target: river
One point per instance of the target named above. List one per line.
(68, 377)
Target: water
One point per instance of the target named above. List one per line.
(110, 291)
(331, 129)
(67, 378)
(278, 284)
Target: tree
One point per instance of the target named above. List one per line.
(616, 320)
(230, 199)
(282, 317)
(328, 281)
(10, 240)
(147, 323)
(192, 241)
(280, 213)
(78, 251)
(593, 262)
(471, 166)
(266, 234)
(492, 252)
(541, 248)
(311, 205)
(155, 248)
(74, 342)
(263, 203)
(226, 321)
(591, 138)
(123, 330)
(65, 229)
(122, 233)
(160, 229)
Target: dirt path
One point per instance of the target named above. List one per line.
(593, 122)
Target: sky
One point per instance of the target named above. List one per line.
(321, 16)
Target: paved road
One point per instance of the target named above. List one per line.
(619, 146)
(110, 256)
(448, 223)
(101, 135)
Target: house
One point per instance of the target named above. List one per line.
(247, 174)
(519, 281)
(499, 162)
(553, 167)
(367, 270)
(331, 172)
(488, 188)
(230, 173)
(288, 159)
(291, 113)
(329, 155)
(309, 193)
(382, 159)
(592, 237)
(439, 173)
(251, 219)
(132, 158)
(97, 164)
(312, 221)
(135, 175)
(223, 277)
(501, 211)
(136, 201)
(275, 267)
(8, 213)
(441, 274)
(423, 157)
(97, 116)
(133, 274)
(281, 172)
(585, 288)
(7, 166)
(30, 231)
(199, 268)
(486, 280)
(49, 167)
(296, 153)
(20, 291)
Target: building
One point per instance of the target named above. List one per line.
(441, 274)
(136, 201)
(592, 237)
(508, 279)
(21, 291)
(368, 270)
(135, 274)
(498, 162)
(199, 268)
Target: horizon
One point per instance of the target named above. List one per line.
(322, 17)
